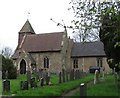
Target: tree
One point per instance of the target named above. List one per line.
(8, 69)
(86, 21)
(110, 33)
(7, 52)
(104, 17)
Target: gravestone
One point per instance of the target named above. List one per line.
(83, 90)
(70, 75)
(40, 73)
(63, 74)
(66, 76)
(6, 85)
(81, 74)
(96, 77)
(28, 75)
(33, 83)
(47, 80)
(35, 73)
(41, 82)
(78, 74)
(46, 77)
(60, 77)
(25, 85)
(21, 85)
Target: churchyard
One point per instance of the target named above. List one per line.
(57, 84)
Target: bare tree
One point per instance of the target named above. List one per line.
(7, 52)
(86, 21)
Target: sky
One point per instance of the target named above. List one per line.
(14, 13)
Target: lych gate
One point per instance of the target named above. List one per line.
(22, 67)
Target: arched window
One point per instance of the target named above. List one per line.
(22, 67)
(46, 62)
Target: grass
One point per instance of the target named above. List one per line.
(104, 88)
(55, 89)
(0, 87)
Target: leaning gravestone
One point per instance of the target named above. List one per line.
(6, 85)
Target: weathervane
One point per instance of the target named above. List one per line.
(28, 13)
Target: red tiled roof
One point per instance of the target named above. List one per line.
(43, 42)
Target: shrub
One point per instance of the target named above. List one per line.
(8, 66)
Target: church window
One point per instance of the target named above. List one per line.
(46, 62)
(99, 62)
(75, 63)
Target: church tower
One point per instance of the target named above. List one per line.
(25, 30)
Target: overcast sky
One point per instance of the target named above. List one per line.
(13, 15)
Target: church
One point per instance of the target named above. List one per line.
(55, 51)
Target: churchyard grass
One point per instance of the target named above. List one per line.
(55, 89)
(0, 87)
(103, 88)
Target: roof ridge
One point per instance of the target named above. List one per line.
(45, 33)
(49, 33)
